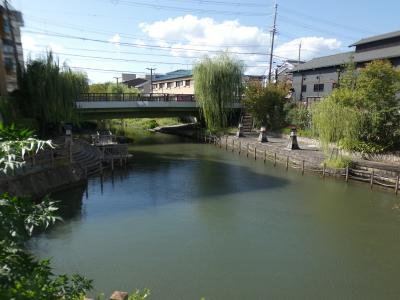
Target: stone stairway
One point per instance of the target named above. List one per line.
(87, 157)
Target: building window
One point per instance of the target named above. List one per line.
(161, 85)
(154, 86)
(187, 82)
(304, 88)
(169, 85)
(9, 65)
(319, 87)
(179, 83)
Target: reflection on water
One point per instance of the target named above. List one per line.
(191, 220)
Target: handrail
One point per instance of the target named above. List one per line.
(95, 97)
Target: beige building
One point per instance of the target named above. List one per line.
(8, 65)
(176, 82)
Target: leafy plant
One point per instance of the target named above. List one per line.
(15, 144)
(266, 104)
(138, 295)
(338, 162)
(218, 82)
(21, 276)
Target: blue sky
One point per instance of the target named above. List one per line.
(173, 34)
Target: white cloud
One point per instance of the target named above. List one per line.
(28, 43)
(189, 33)
(115, 39)
(310, 47)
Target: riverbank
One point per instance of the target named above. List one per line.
(309, 159)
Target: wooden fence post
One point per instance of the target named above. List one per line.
(396, 188)
(233, 145)
(265, 155)
(240, 147)
(112, 163)
(372, 179)
(323, 170)
(302, 167)
(347, 173)
(247, 150)
(226, 143)
(275, 159)
(255, 153)
(287, 163)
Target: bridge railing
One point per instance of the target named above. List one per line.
(94, 97)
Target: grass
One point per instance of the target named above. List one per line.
(338, 162)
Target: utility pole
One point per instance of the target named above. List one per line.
(299, 53)
(151, 78)
(15, 50)
(117, 78)
(271, 54)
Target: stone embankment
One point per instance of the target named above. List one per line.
(309, 159)
(54, 169)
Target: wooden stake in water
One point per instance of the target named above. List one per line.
(323, 170)
(255, 153)
(240, 147)
(347, 173)
(233, 145)
(247, 148)
(226, 143)
(265, 155)
(287, 163)
(396, 188)
(302, 167)
(274, 159)
(372, 179)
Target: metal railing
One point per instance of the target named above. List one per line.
(95, 97)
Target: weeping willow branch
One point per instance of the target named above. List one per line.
(217, 87)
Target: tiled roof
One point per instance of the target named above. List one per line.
(174, 75)
(342, 58)
(377, 38)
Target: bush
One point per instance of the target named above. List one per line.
(361, 146)
(150, 124)
(299, 116)
(339, 162)
(266, 104)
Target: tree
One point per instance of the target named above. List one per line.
(48, 91)
(110, 87)
(266, 104)
(363, 114)
(218, 81)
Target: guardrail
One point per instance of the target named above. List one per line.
(95, 97)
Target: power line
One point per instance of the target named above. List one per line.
(191, 10)
(137, 45)
(125, 60)
(135, 36)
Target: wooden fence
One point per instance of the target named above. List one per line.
(256, 151)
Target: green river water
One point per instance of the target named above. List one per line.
(191, 221)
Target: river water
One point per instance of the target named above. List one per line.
(191, 221)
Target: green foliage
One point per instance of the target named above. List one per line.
(338, 162)
(349, 77)
(48, 91)
(110, 87)
(138, 295)
(299, 116)
(266, 104)
(15, 144)
(21, 276)
(218, 82)
(360, 146)
(363, 114)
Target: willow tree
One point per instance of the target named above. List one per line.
(48, 91)
(217, 87)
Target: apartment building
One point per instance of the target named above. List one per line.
(9, 42)
(176, 82)
(318, 77)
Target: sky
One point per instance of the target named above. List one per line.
(105, 38)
